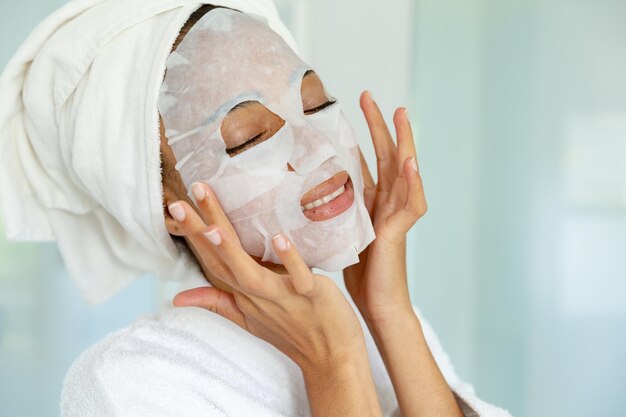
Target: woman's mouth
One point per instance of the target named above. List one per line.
(328, 199)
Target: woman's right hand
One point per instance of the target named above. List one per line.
(304, 315)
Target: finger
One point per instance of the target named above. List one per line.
(250, 277)
(194, 227)
(301, 277)
(210, 207)
(414, 206)
(404, 133)
(214, 300)
(216, 216)
(384, 146)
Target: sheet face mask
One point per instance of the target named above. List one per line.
(228, 58)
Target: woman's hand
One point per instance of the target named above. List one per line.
(378, 283)
(303, 315)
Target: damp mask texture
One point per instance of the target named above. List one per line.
(228, 58)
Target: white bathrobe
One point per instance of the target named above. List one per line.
(190, 362)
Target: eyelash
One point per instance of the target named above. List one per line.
(253, 141)
(320, 108)
(247, 144)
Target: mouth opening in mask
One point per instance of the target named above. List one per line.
(328, 199)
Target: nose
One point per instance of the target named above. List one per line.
(312, 148)
(289, 167)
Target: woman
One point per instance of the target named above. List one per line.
(316, 360)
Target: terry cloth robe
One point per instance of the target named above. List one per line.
(190, 362)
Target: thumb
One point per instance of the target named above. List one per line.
(212, 299)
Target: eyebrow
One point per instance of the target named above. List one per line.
(243, 105)
(247, 103)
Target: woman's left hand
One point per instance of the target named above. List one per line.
(378, 283)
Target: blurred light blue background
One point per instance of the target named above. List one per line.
(519, 109)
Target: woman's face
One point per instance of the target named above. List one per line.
(244, 127)
(245, 115)
(250, 123)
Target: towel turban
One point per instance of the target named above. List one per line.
(80, 138)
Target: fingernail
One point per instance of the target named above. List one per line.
(414, 164)
(281, 242)
(198, 191)
(177, 211)
(406, 113)
(214, 237)
(369, 94)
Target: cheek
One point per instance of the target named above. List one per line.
(179, 187)
(251, 192)
(260, 204)
(254, 172)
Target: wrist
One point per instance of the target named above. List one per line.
(393, 320)
(335, 362)
(342, 386)
(391, 311)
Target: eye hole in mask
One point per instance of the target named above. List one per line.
(247, 124)
(314, 96)
(250, 123)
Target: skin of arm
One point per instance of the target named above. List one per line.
(342, 386)
(378, 283)
(419, 385)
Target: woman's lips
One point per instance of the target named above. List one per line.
(329, 199)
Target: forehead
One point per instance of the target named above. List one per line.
(228, 57)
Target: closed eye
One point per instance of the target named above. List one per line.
(247, 144)
(320, 108)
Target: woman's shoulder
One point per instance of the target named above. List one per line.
(190, 354)
(175, 334)
(89, 383)
(147, 335)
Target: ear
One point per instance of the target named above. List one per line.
(170, 224)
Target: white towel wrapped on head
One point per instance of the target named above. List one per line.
(79, 138)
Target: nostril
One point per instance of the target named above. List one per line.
(289, 167)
